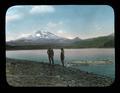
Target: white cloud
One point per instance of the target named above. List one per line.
(63, 33)
(24, 35)
(98, 27)
(8, 38)
(10, 18)
(42, 9)
(60, 32)
(53, 27)
(58, 29)
(56, 26)
(70, 37)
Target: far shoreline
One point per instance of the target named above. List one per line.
(55, 48)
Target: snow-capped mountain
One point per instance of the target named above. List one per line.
(39, 38)
(41, 35)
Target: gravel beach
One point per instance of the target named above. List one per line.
(22, 73)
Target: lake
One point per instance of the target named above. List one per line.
(73, 55)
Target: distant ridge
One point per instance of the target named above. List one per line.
(44, 39)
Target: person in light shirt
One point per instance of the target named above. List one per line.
(50, 53)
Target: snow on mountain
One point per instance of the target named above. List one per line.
(39, 37)
(42, 35)
(42, 38)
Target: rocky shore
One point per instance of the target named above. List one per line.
(22, 73)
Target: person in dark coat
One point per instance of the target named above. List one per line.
(62, 56)
(50, 53)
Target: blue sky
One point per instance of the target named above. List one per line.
(70, 21)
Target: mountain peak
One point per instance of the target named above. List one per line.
(77, 38)
(45, 35)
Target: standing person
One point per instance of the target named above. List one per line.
(50, 53)
(62, 56)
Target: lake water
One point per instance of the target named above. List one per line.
(73, 55)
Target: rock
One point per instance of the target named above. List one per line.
(58, 76)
